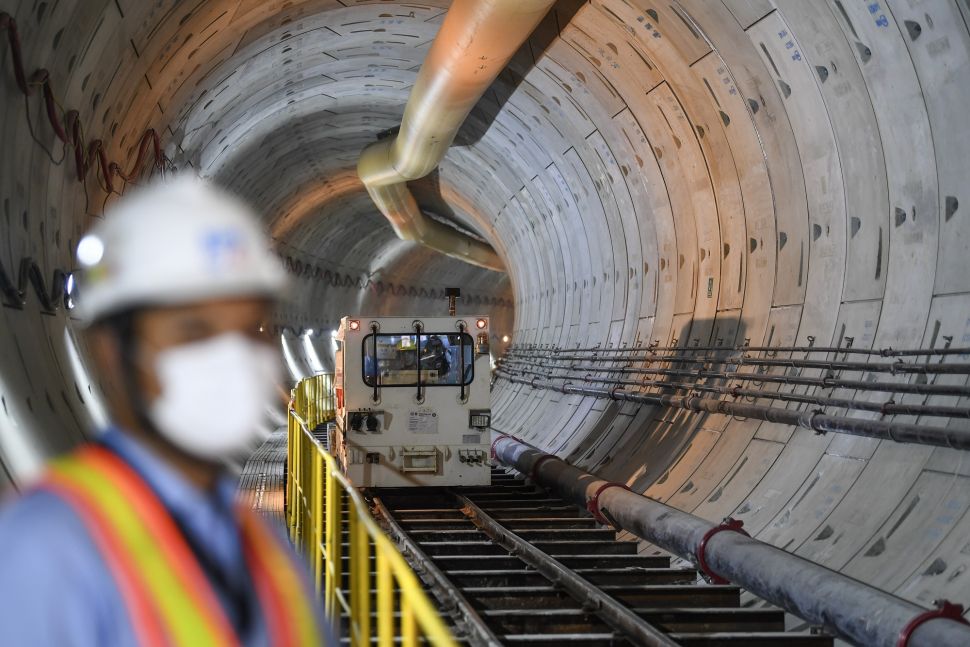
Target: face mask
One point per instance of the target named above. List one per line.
(214, 394)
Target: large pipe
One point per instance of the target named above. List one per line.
(859, 613)
(476, 40)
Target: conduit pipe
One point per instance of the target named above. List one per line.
(859, 613)
(476, 40)
(822, 382)
(898, 367)
(585, 374)
(660, 351)
(887, 408)
(814, 420)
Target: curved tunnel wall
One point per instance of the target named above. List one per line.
(773, 173)
(691, 171)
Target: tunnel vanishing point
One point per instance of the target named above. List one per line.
(691, 213)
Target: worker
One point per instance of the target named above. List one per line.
(137, 538)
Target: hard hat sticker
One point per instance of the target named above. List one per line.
(225, 248)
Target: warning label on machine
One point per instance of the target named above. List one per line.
(423, 421)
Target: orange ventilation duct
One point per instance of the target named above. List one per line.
(476, 40)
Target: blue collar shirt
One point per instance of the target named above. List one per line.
(56, 589)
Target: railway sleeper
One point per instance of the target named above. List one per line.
(678, 619)
(512, 577)
(484, 542)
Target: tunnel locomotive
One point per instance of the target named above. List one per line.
(412, 401)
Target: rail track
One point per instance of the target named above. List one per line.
(512, 564)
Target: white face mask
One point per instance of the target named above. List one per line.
(214, 394)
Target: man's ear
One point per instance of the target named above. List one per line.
(104, 349)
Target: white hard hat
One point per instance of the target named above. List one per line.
(174, 242)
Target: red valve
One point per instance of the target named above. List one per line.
(944, 609)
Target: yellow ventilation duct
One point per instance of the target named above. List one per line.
(476, 40)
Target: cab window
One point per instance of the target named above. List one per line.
(433, 358)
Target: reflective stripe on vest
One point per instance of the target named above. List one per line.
(167, 595)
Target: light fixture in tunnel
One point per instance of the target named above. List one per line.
(505, 339)
(354, 324)
(90, 250)
(70, 291)
(296, 373)
(480, 324)
(310, 354)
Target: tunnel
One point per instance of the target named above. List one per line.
(686, 174)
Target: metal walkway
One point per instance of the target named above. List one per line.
(263, 479)
(512, 564)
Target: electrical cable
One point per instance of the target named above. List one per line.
(68, 129)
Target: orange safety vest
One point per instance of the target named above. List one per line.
(168, 597)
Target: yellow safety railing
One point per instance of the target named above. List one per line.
(314, 401)
(372, 584)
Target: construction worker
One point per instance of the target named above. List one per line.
(136, 538)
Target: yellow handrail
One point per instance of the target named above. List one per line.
(313, 399)
(321, 502)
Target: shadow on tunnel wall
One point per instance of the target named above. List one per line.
(641, 443)
(427, 192)
(493, 101)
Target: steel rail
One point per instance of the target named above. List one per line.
(884, 352)
(857, 612)
(823, 382)
(462, 610)
(887, 408)
(600, 603)
(814, 420)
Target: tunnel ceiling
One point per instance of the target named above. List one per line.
(687, 172)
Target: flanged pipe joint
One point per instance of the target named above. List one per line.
(857, 612)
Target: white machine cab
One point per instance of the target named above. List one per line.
(413, 401)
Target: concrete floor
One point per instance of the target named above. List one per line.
(693, 170)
